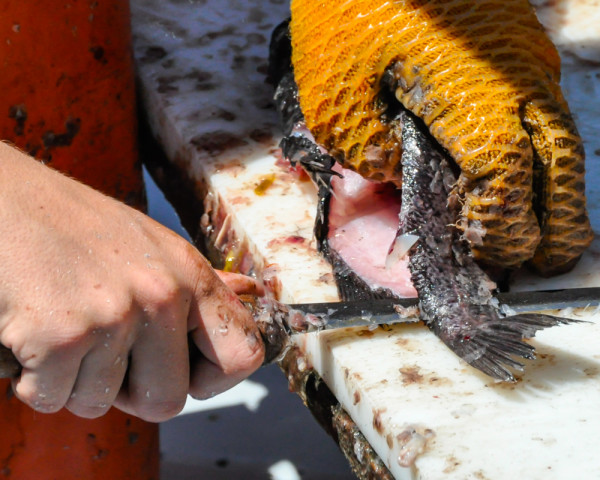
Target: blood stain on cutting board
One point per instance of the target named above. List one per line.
(378, 422)
(240, 200)
(413, 375)
(287, 240)
(452, 463)
(406, 344)
(410, 375)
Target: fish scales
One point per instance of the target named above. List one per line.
(455, 294)
(484, 78)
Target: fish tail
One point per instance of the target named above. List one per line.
(495, 346)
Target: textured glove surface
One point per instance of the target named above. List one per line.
(484, 77)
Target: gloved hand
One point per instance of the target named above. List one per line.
(483, 77)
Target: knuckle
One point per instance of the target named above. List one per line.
(37, 400)
(67, 339)
(111, 310)
(45, 407)
(162, 292)
(191, 258)
(121, 307)
(244, 358)
(92, 400)
(189, 254)
(87, 411)
(159, 411)
(47, 347)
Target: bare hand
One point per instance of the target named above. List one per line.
(91, 289)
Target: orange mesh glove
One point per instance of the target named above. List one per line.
(484, 77)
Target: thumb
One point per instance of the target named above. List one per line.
(225, 341)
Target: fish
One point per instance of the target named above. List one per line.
(420, 188)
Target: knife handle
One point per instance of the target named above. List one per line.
(9, 365)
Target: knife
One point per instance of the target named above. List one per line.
(278, 321)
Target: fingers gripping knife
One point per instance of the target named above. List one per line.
(277, 321)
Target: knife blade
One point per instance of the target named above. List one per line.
(387, 311)
(278, 321)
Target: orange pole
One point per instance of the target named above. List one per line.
(67, 89)
(67, 97)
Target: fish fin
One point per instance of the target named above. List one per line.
(492, 346)
(298, 148)
(527, 324)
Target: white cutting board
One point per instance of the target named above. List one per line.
(201, 67)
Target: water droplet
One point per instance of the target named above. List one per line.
(146, 324)
(108, 335)
(107, 390)
(223, 329)
(103, 405)
(252, 340)
(42, 395)
(147, 393)
(301, 362)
